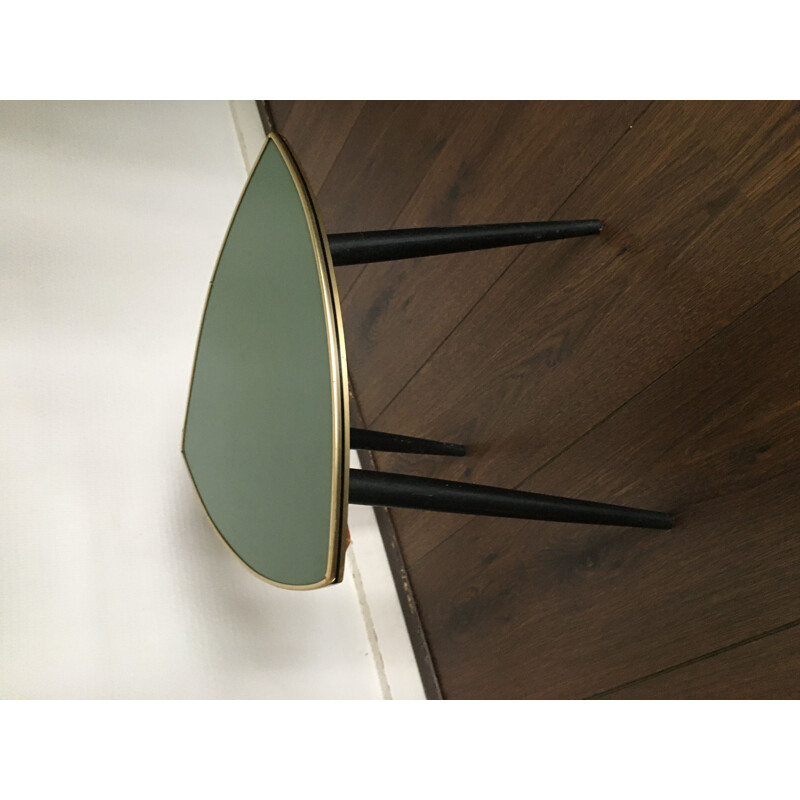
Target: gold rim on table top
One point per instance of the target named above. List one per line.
(340, 403)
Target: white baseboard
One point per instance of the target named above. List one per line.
(249, 130)
(383, 615)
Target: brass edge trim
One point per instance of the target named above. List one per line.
(345, 406)
(341, 412)
(338, 364)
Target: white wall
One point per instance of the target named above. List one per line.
(112, 583)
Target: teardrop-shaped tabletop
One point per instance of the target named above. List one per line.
(266, 432)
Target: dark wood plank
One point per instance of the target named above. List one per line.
(694, 212)
(506, 163)
(316, 131)
(389, 151)
(570, 611)
(279, 112)
(765, 669)
(769, 178)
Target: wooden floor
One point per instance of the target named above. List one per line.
(657, 365)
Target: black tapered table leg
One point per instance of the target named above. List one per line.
(429, 494)
(361, 439)
(371, 246)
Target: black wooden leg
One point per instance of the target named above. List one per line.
(406, 491)
(372, 246)
(392, 443)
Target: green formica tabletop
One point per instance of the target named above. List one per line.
(266, 436)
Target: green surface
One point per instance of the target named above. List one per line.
(259, 431)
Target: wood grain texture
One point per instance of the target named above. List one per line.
(279, 111)
(509, 162)
(568, 611)
(767, 668)
(316, 131)
(565, 337)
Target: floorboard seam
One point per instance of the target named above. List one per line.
(629, 400)
(507, 267)
(662, 375)
(603, 157)
(705, 657)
